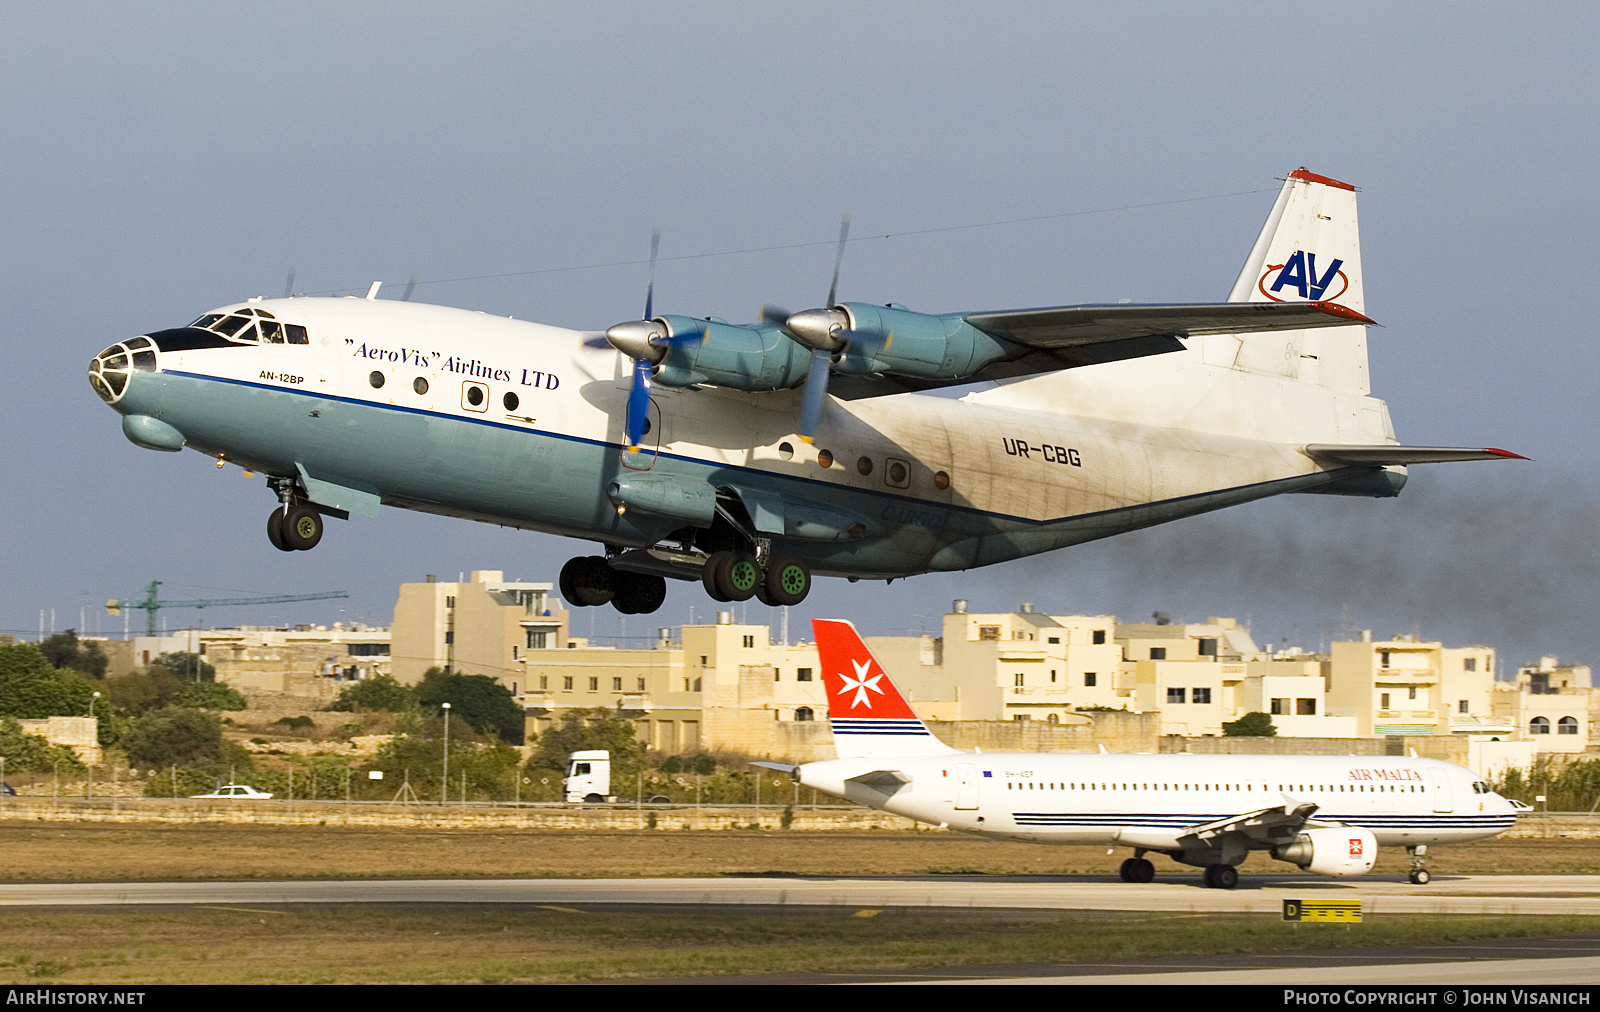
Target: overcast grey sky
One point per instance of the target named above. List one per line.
(159, 160)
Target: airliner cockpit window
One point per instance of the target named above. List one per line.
(242, 325)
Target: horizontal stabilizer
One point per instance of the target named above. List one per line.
(1073, 326)
(883, 780)
(780, 767)
(1380, 456)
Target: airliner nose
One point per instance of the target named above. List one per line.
(109, 372)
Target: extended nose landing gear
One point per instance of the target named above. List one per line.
(1418, 875)
(294, 528)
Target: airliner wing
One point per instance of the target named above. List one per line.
(1062, 327)
(1068, 337)
(1267, 827)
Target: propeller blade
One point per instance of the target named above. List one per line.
(838, 259)
(650, 290)
(816, 393)
(638, 402)
(411, 286)
(288, 286)
(773, 314)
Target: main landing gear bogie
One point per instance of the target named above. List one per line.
(737, 576)
(1220, 876)
(589, 581)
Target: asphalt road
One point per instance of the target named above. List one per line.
(1505, 894)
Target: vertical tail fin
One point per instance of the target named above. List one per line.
(868, 714)
(1309, 250)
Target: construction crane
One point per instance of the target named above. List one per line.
(152, 604)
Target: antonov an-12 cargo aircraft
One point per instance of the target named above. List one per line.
(1326, 814)
(752, 457)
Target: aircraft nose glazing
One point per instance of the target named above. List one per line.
(109, 372)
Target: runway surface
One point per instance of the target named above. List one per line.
(1504, 894)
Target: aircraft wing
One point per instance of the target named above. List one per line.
(1266, 827)
(1068, 337)
(1063, 327)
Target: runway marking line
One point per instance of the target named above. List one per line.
(866, 913)
(244, 910)
(560, 910)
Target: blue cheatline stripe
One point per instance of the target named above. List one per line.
(719, 465)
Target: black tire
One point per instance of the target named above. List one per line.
(1420, 876)
(1141, 871)
(568, 581)
(1126, 871)
(739, 577)
(593, 799)
(660, 799)
(638, 593)
(786, 581)
(710, 574)
(275, 530)
(1222, 876)
(302, 528)
(593, 582)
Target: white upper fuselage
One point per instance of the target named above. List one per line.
(1147, 801)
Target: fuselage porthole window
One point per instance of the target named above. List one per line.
(420, 384)
(510, 401)
(377, 380)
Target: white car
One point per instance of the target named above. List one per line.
(239, 791)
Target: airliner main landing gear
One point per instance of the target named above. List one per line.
(738, 576)
(1221, 876)
(1418, 875)
(589, 581)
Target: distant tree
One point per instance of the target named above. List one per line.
(597, 728)
(209, 696)
(1252, 725)
(380, 693)
(479, 700)
(185, 667)
(175, 736)
(146, 689)
(65, 650)
(30, 687)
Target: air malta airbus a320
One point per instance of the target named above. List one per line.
(1326, 814)
(753, 456)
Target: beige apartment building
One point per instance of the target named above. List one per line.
(485, 625)
(304, 659)
(729, 686)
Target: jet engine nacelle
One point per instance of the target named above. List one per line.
(754, 357)
(892, 339)
(1337, 851)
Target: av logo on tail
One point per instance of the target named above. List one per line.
(1299, 273)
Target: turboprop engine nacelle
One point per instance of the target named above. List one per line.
(892, 339)
(753, 357)
(1338, 851)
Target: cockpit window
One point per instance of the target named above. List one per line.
(252, 326)
(229, 325)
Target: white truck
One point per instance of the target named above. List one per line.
(588, 781)
(588, 778)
